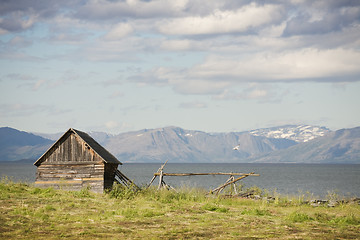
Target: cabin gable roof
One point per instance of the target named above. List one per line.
(105, 155)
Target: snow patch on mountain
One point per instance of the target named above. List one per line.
(298, 133)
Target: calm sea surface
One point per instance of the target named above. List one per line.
(292, 179)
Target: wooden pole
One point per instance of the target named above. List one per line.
(160, 180)
(152, 180)
(157, 173)
(234, 184)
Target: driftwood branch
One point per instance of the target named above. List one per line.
(201, 174)
(218, 189)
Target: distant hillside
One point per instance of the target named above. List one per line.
(179, 145)
(16, 145)
(50, 136)
(342, 146)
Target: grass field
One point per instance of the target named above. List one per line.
(27, 212)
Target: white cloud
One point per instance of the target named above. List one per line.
(262, 92)
(19, 77)
(116, 94)
(219, 21)
(123, 49)
(297, 65)
(18, 41)
(119, 31)
(38, 84)
(193, 105)
(157, 76)
(198, 86)
(218, 74)
(105, 10)
(17, 21)
(177, 45)
(25, 110)
(317, 18)
(111, 124)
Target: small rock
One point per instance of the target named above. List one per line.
(332, 203)
(257, 197)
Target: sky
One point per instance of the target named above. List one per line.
(208, 65)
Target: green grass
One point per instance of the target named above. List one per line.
(27, 212)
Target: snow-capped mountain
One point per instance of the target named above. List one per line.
(341, 146)
(177, 144)
(298, 133)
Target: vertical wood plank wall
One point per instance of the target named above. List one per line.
(72, 149)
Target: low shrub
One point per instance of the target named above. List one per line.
(83, 193)
(214, 208)
(122, 192)
(299, 217)
(256, 212)
(350, 219)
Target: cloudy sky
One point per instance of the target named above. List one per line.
(215, 66)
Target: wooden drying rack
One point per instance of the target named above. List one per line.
(231, 181)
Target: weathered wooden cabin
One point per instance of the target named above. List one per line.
(76, 161)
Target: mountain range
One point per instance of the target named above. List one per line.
(290, 144)
(17, 145)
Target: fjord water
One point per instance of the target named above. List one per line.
(292, 179)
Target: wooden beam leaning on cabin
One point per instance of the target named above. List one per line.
(122, 179)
